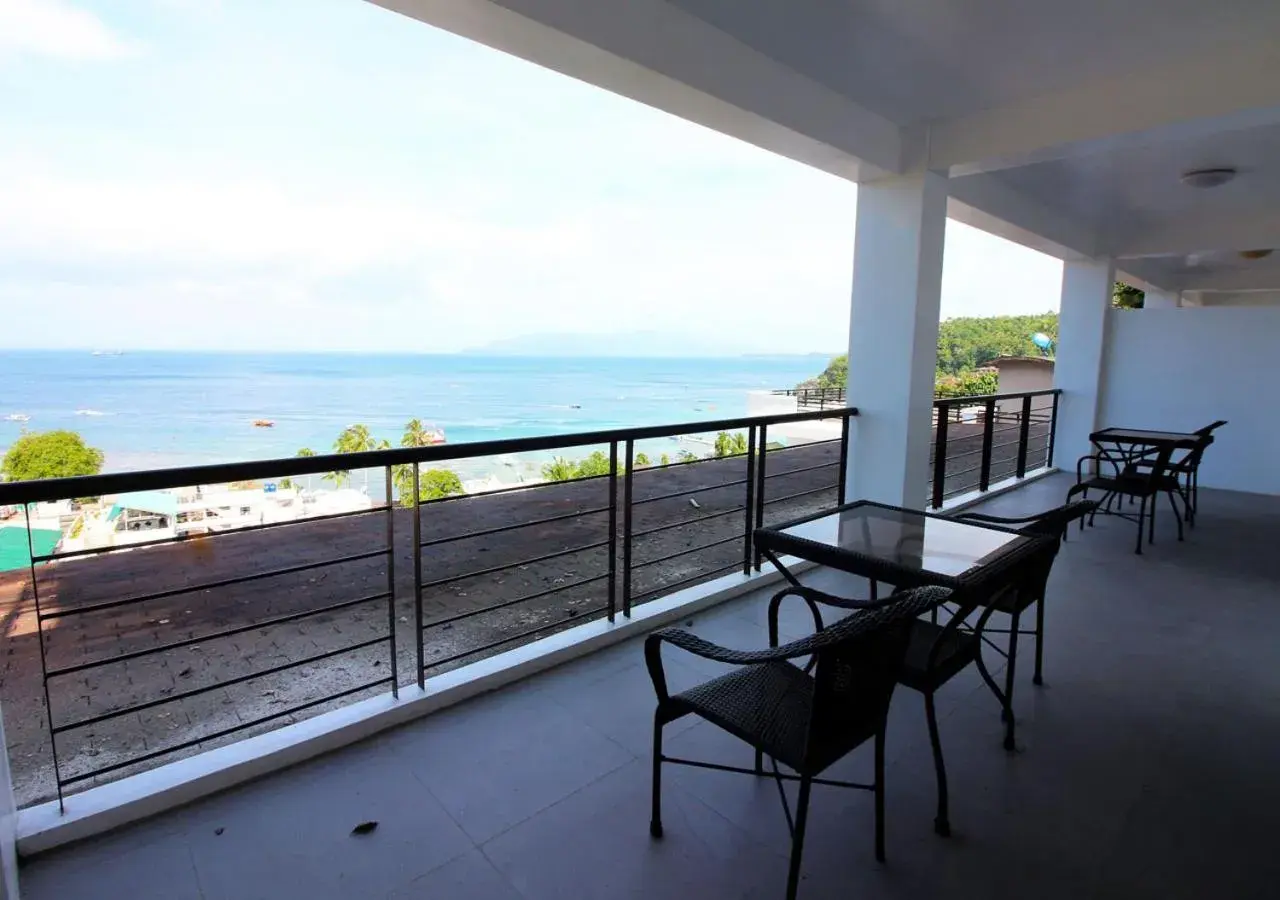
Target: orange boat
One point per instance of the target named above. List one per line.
(263, 423)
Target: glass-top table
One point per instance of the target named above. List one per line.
(906, 548)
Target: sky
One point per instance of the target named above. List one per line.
(318, 175)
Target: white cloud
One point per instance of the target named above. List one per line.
(57, 29)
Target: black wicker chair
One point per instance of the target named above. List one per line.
(1186, 469)
(805, 718)
(1015, 599)
(1144, 485)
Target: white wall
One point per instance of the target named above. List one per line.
(1183, 368)
(8, 827)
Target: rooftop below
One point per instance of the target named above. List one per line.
(1145, 768)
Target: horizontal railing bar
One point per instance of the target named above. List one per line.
(802, 469)
(688, 491)
(186, 538)
(670, 556)
(829, 487)
(979, 399)
(683, 522)
(667, 588)
(518, 600)
(951, 456)
(963, 472)
(523, 562)
(502, 528)
(523, 634)
(196, 692)
(230, 632)
(19, 492)
(508, 490)
(210, 585)
(261, 720)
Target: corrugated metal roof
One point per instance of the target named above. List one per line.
(158, 502)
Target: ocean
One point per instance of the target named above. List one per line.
(154, 410)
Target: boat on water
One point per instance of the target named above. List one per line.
(17, 417)
(263, 423)
(89, 412)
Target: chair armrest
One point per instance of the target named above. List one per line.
(907, 604)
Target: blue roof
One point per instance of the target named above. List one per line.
(157, 502)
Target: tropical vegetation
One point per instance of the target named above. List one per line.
(50, 454)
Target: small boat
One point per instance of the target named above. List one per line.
(89, 412)
(263, 423)
(18, 417)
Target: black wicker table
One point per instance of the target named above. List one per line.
(903, 547)
(1123, 445)
(907, 548)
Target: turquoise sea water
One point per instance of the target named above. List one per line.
(148, 409)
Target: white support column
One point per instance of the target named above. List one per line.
(1078, 371)
(893, 335)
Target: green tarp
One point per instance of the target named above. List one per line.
(13, 546)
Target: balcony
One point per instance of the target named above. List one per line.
(1146, 768)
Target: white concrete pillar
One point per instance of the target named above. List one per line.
(893, 335)
(1078, 370)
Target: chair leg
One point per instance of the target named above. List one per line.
(941, 822)
(1151, 527)
(1037, 678)
(1142, 514)
(1173, 503)
(880, 793)
(1006, 714)
(655, 821)
(797, 840)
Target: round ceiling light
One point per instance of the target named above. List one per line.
(1208, 178)
(1255, 254)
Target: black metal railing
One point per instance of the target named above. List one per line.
(815, 398)
(978, 441)
(185, 642)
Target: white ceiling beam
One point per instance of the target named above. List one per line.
(1259, 275)
(987, 203)
(656, 53)
(1147, 275)
(1224, 89)
(1198, 233)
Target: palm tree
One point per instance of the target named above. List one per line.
(415, 434)
(306, 451)
(353, 439)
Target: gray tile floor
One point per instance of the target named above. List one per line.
(1146, 768)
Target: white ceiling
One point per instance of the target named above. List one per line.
(916, 60)
(1133, 186)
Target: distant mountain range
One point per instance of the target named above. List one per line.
(636, 343)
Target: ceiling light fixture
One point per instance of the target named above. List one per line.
(1208, 178)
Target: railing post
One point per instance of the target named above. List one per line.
(391, 581)
(1053, 427)
(417, 582)
(759, 498)
(613, 530)
(988, 432)
(842, 491)
(749, 509)
(940, 451)
(1024, 436)
(44, 667)
(626, 529)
